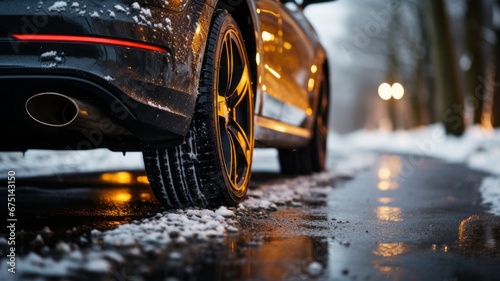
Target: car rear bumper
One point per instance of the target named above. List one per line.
(149, 88)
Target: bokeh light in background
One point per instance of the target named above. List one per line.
(386, 91)
(397, 91)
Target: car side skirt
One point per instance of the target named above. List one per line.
(277, 134)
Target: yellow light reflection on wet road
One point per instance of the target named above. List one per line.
(479, 235)
(387, 185)
(142, 179)
(122, 197)
(388, 172)
(390, 249)
(385, 200)
(385, 213)
(117, 178)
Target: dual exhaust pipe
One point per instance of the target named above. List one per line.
(61, 111)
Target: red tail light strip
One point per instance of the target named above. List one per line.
(87, 39)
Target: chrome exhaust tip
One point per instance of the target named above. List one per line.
(52, 109)
(58, 110)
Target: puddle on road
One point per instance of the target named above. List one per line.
(479, 236)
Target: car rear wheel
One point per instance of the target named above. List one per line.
(212, 166)
(311, 158)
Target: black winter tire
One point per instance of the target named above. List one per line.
(311, 158)
(212, 167)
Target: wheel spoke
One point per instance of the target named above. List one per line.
(233, 164)
(222, 110)
(228, 46)
(242, 144)
(240, 89)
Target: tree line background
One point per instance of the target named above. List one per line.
(446, 54)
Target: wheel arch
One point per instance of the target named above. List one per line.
(325, 71)
(244, 13)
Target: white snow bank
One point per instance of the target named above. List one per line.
(46, 162)
(479, 148)
(490, 191)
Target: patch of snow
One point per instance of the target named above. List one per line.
(98, 266)
(146, 12)
(136, 6)
(120, 8)
(109, 78)
(111, 14)
(223, 211)
(49, 54)
(49, 65)
(94, 14)
(490, 192)
(154, 104)
(75, 4)
(58, 6)
(287, 192)
(314, 268)
(168, 23)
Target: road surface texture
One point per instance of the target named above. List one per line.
(400, 219)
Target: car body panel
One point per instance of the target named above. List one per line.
(157, 90)
(290, 49)
(166, 82)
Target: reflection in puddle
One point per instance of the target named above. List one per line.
(385, 185)
(385, 213)
(121, 197)
(390, 249)
(391, 272)
(386, 265)
(285, 251)
(385, 200)
(117, 178)
(444, 248)
(384, 173)
(479, 235)
(123, 178)
(388, 172)
(124, 195)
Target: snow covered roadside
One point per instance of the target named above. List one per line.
(47, 162)
(111, 248)
(478, 148)
(166, 232)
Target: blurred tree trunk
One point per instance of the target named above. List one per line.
(473, 48)
(416, 95)
(446, 68)
(423, 106)
(392, 69)
(496, 82)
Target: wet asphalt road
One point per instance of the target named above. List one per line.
(402, 219)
